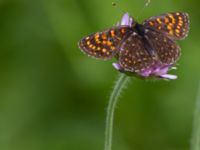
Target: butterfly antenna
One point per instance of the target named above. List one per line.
(145, 5)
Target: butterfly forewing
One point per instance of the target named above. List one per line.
(174, 25)
(133, 56)
(104, 44)
(166, 49)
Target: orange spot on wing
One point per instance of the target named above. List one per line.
(180, 23)
(98, 42)
(173, 19)
(113, 48)
(108, 53)
(159, 21)
(88, 42)
(112, 33)
(122, 30)
(97, 36)
(169, 27)
(109, 43)
(104, 37)
(166, 20)
(104, 42)
(151, 23)
(103, 50)
(171, 32)
(97, 39)
(177, 31)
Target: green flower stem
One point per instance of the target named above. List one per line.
(195, 142)
(120, 84)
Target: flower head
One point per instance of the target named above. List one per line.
(158, 69)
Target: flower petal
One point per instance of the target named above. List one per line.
(117, 66)
(161, 70)
(126, 20)
(169, 76)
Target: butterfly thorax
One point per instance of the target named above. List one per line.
(140, 29)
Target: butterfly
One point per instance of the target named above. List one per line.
(140, 47)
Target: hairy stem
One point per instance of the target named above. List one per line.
(195, 141)
(119, 85)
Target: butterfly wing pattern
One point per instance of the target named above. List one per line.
(166, 49)
(133, 57)
(174, 25)
(105, 44)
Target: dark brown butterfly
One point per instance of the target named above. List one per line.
(140, 47)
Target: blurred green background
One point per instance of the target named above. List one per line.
(53, 97)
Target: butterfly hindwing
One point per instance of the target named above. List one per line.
(133, 56)
(174, 25)
(104, 44)
(165, 48)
